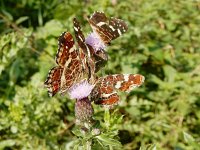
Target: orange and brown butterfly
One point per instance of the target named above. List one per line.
(69, 66)
(74, 64)
(107, 29)
(105, 91)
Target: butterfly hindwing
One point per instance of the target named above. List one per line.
(53, 80)
(106, 87)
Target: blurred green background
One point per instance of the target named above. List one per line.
(162, 43)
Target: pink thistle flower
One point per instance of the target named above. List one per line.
(80, 90)
(95, 41)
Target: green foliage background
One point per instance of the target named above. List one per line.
(162, 43)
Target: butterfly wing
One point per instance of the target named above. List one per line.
(69, 69)
(72, 66)
(107, 29)
(91, 59)
(84, 50)
(105, 91)
(66, 49)
(100, 58)
(53, 80)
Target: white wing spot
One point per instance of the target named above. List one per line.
(100, 24)
(50, 89)
(60, 53)
(118, 30)
(118, 85)
(75, 28)
(49, 81)
(112, 28)
(80, 38)
(106, 95)
(72, 49)
(126, 77)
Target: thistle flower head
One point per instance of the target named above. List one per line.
(83, 110)
(80, 90)
(95, 41)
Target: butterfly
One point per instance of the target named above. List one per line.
(107, 29)
(105, 90)
(73, 64)
(68, 69)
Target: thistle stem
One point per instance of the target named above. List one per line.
(88, 145)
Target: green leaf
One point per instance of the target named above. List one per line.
(40, 18)
(7, 143)
(170, 73)
(107, 117)
(108, 141)
(148, 147)
(188, 138)
(21, 19)
(8, 15)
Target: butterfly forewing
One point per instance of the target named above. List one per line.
(66, 49)
(98, 18)
(107, 29)
(84, 51)
(73, 67)
(79, 36)
(117, 27)
(69, 69)
(105, 89)
(91, 59)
